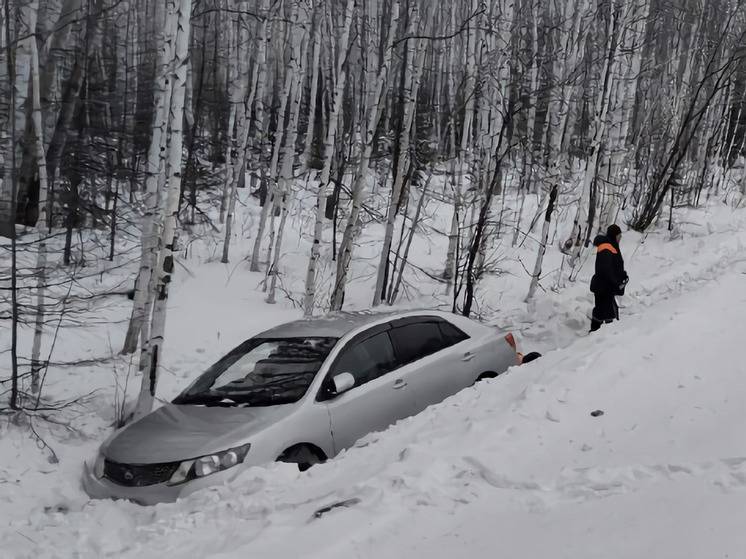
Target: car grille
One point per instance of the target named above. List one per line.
(139, 475)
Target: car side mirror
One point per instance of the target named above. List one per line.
(343, 382)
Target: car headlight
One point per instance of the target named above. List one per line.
(210, 464)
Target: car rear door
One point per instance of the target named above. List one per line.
(381, 395)
(435, 357)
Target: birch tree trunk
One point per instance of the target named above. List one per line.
(237, 81)
(464, 156)
(328, 155)
(153, 347)
(373, 113)
(533, 72)
(155, 168)
(412, 85)
(257, 90)
(394, 293)
(41, 245)
(582, 225)
(315, 71)
(288, 157)
(568, 42)
(631, 47)
(269, 202)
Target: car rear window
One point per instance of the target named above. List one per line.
(416, 340)
(451, 334)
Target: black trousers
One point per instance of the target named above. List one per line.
(605, 311)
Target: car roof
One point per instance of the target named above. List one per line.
(338, 324)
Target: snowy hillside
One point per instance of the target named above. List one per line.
(516, 466)
(179, 176)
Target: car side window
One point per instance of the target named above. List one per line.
(416, 340)
(367, 359)
(451, 334)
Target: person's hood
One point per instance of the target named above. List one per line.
(181, 432)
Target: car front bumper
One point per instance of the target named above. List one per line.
(102, 488)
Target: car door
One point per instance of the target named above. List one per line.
(381, 395)
(435, 358)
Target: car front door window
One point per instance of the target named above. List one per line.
(367, 359)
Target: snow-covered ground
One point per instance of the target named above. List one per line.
(515, 467)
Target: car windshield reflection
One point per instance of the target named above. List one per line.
(261, 372)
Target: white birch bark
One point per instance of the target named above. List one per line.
(328, 154)
(631, 62)
(405, 256)
(257, 90)
(581, 230)
(268, 210)
(299, 55)
(235, 97)
(154, 179)
(569, 42)
(154, 346)
(464, 157)
(373, 113)
(315, 71)
(412, 84)
(533, 73)
(41, 245)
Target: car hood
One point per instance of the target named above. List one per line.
(180, 432)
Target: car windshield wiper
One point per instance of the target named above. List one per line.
(270, 381)
(209, 399)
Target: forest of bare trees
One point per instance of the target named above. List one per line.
(132, 124)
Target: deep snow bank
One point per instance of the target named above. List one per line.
(516, 465)
(522, 441)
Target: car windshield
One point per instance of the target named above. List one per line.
(261, 372)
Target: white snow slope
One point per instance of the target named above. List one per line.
(516, 467)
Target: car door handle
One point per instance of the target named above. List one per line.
(468, 356)
(399, 384)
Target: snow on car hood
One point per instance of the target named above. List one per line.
(180, 432)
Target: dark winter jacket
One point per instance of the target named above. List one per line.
(610, 277)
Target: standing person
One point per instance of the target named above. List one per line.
(610, 278)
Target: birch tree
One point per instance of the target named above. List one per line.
(328, 156)
(244, 124)
(415, 58)
(626, 91)
(567, 40)
(155, 179)
(41, 242)
(269, 205)
(584, 216)
(285, 191)
(373, 112)
(180, 12)
(463, 158)
(237, 79)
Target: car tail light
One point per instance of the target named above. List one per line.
(511, 341)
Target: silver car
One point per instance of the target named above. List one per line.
(300, 392)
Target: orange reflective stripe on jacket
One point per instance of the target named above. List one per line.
(607, 246)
